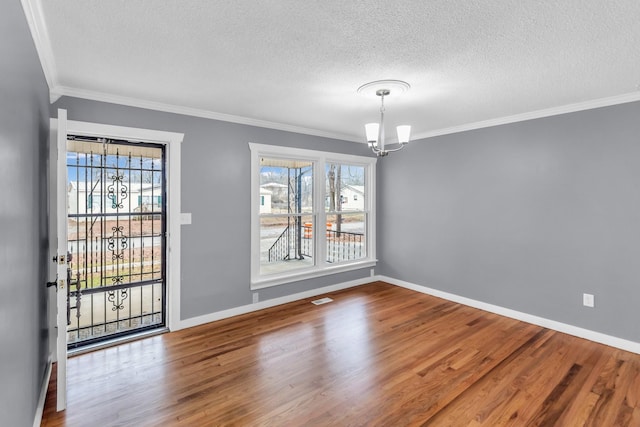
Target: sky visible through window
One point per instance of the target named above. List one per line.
(78, 164)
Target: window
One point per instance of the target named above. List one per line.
(346, 222)
(308, 229)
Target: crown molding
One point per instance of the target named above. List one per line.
(58, 91)
(547, 112)
(55, 93)
(40, 34)
(195, 112)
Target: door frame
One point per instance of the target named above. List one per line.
(173, 144)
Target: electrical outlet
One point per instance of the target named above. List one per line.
(588, 300)
(255, 297)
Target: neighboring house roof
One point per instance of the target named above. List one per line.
(273, 185)
(356, 188)
(265, 191)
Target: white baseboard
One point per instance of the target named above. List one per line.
(219, 315)
(598, 337)
(37, 419)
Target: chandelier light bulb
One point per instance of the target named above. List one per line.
(371, 130)
(404, 133)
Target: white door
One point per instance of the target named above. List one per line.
(61, 230)
(59, 171)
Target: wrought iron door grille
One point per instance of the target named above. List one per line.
(116, 232)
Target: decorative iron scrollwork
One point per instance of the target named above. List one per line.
(117, 191)
(118, 302)
(117, 250)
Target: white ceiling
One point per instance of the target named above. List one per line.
(296, 65)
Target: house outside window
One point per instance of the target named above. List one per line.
(309, 230)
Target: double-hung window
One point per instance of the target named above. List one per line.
(312, 214)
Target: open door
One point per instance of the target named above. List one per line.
(128, 230)
(61, 261)
(117, 239)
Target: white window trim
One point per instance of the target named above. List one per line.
(320, 159)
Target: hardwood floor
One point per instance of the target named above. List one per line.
(379, 355)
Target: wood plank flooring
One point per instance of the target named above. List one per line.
(379, 355)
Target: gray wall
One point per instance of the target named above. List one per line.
(526, 216)
(215, 186)
(24, 122)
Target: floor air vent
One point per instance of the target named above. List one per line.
(321, 301)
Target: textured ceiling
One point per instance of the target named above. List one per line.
(298, 64)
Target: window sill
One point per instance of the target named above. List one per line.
(275, 280)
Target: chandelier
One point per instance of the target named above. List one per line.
(375, 131)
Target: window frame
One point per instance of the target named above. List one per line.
(320, 159)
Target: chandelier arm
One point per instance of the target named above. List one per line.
(382, 153)
(396, 149)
